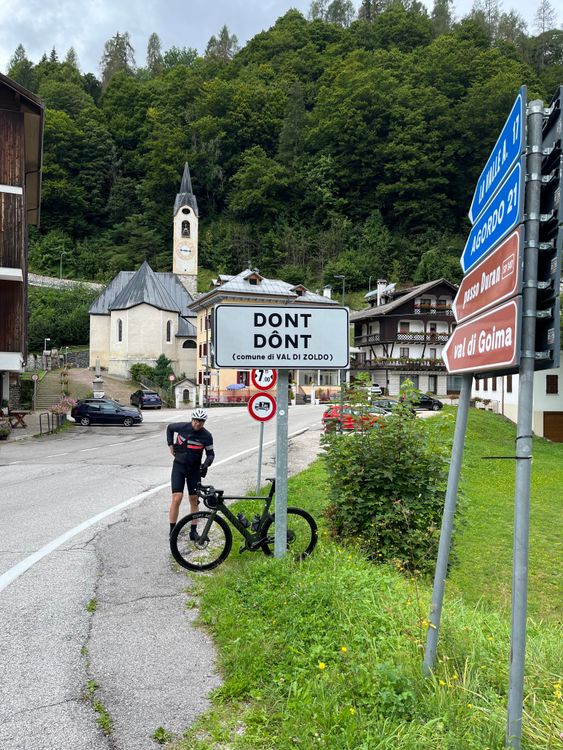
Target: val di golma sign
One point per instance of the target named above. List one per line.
(285, 338)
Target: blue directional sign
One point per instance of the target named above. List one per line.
(501, 216)
(508, 148)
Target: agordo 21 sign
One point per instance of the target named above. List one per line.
(291, 337)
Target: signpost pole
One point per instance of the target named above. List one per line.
(280, 538)
(524, 432)
(260, 446)
(447, 526)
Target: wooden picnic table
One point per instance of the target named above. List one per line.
(17, 418)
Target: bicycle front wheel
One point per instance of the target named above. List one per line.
(302, 534)
(209, 549)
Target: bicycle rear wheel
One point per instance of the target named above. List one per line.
(210, 549)
(302, 534)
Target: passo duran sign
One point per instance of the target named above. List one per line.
(281, 337)
(495, 279)
(490, 341)
(502, 215)
(509, 146)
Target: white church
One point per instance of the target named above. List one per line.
(143, 314)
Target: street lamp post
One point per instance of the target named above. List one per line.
(340, 276)
(45, 344)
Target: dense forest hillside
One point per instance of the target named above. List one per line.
(339, 144)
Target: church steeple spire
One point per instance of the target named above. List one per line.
(186, 196)
(185, 222)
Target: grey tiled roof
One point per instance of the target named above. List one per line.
(405, 296)
(129, 288)
(186, 327)
(186, 196)
(144, 287)
(240, 285)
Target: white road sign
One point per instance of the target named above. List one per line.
(290, 337)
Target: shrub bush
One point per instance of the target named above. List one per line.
(387, 488)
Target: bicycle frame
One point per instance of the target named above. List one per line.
(253, 538)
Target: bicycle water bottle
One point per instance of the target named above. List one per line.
(255, 523)
(244, 520)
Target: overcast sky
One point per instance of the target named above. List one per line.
(41, 24)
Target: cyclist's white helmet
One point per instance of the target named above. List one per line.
(199, 414)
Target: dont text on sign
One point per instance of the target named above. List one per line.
(490, 341)
(502, 215)
(262, 407)
(263, 380)
(281, 337)
(508, 148)
(494, 280)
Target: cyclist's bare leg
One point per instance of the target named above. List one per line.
(194, 503)
(175, 506)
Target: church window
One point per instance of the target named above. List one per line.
(186, 211)
(189, 344)
(185, 229)
(169, 331)
(119, 331)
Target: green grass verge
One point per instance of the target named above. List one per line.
(484, 549)
(327, 653)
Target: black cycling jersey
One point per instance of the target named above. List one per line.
(190, 444)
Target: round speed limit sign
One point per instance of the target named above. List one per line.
(263, 380)
(262, 407)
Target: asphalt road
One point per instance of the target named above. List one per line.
(91, 607)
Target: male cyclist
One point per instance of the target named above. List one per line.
(191, 440)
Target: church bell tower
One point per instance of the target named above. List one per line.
(186, 220)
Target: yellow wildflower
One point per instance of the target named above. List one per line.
(343, 649)
(322, 665)
(352, 710)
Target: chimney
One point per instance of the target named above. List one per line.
(327, 292)
(381, 285)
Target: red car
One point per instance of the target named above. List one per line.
(352, 417)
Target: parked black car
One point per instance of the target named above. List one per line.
(104, 411)
(146, 400)
(424, 401)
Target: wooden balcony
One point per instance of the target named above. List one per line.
(433, 310)
(403, 338)
(400, 364)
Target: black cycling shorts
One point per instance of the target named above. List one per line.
(184, 475)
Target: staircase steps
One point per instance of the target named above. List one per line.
(49, 391)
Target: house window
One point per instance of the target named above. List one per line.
(412, 378)
(477, 384)
(119, 330)
(200, 378)
(204, 350)
(552, 384)
(426, 303)
(509, 383)
(169, 331)
(433, 353)
(404, 352)
(485, 384)
(404, 327)
(188, 344)
(494, 384)
(185, 229)
(243, 377)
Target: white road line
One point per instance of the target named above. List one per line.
(54, 455)
(84, 450)
(17, 570)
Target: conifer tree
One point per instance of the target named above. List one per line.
(118, 55)
(154, 55)
(223, 47)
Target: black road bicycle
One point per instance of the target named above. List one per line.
(215, 538)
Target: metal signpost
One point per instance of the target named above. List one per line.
(283, 338)
(262, 380)
(508, 303)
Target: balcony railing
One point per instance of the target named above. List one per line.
(433, 310)
(401, 364)
(404, 338)
(423, 338)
